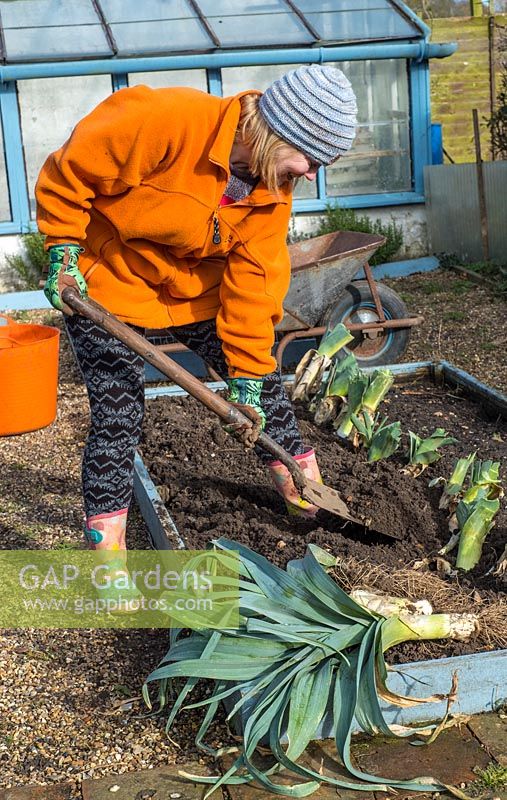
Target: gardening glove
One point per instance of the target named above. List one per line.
(63, 272)
(245, 394)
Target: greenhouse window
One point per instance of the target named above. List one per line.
(47, 116)
(5, 206)
(195, 78)
(380, 160)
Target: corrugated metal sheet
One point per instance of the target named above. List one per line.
(496, 196)
(452, 202)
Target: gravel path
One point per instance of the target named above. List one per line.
(63, 709)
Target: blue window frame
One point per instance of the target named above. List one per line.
(307, 199)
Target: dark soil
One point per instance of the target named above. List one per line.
(213, 488)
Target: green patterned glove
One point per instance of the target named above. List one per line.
(246, 394)
(63, 272)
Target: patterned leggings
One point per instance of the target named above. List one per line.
(114, 378)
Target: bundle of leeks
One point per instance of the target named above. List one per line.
(303, 649)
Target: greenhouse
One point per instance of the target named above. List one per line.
(59, 59)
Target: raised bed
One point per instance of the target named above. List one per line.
(207, 499)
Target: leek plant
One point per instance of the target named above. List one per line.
(344, 370)
(389, 606)
(484, 482)
(311, 368)
(454, 486)
(303, 649)
(343, 424)
(381, 438)
(364, 396)
(325, 410)
(385, 441)
(475, 509)
(323, 406)
(500, 567)
(378, 387)
(426, 451)
(332, 394)
(475, 520)
(365, 426)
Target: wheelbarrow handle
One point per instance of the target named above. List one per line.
(228, 413)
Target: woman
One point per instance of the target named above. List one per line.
(171, 208)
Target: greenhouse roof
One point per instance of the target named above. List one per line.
(57, 30)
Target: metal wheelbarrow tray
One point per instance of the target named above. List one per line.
(322, 273)
(321, 268)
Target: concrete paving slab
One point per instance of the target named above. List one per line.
(323, 756)
(318, 757)
(315, 758)
(491, 730)
(451, 759)
(160, 783)
(61, 791)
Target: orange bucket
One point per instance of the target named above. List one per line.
(28, 376)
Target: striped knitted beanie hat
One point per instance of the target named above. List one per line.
(313, 108)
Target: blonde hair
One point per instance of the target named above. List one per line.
(266, 147)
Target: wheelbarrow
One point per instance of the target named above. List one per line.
(322, 292)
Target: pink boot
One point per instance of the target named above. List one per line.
(107, 533)
(285, 487)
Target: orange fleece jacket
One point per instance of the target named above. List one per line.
(138, 186)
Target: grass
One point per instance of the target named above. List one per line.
(22, 316)
(494, 776)
(491, 271)
(458, 287)
(64, 544)
(454, 316)
(462, 286)
(122, 690)
(8, 506)
(432, 287)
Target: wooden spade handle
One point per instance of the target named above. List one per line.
(228, 413)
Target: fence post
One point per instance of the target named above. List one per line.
(492, 76)
(476, 8)
(480, 186)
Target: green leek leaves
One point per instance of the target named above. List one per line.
(304, 649)
(310, 370)
(426, 451)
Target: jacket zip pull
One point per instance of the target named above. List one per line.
(216, 229)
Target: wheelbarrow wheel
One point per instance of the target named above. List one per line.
(356, 305)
